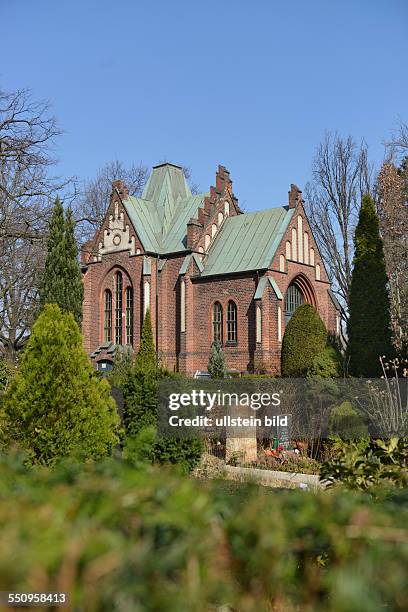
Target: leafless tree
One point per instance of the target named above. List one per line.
(27, 141)
(341, 174)
(398, 144)
(91, 207)
(392, 208)
(194, 187)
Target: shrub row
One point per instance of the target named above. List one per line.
(117, 538)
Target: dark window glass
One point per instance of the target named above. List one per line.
(217, 322)
(293, 300)
(118, 308)
(129, 316)
(232, 331)
(108, 316)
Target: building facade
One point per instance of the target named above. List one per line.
(205, 270)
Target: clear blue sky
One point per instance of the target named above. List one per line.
(252, 85)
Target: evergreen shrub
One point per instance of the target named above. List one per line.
(127, 539)
(305, 337)
(56, 406)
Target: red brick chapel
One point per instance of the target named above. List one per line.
(206, 271)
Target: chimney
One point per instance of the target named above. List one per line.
(194, 230)
(295, 196)
(121, 188)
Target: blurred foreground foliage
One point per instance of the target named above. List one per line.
(120, 538)
(364, 465)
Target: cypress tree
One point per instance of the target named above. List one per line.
(369, 326)
(304, 339)
(52, 289)
(146, 357)
(74, 288)
(140, 391)
(56, 405)
(216, 364)
(62, 279)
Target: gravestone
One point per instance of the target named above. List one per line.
(241, 443)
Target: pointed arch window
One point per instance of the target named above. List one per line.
(129, 316)
(217, 321)
(118, 308)
(232, 324)
(107, 326)
(293, 299)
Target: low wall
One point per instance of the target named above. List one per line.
(272, 478)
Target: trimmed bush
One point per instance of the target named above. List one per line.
(56, 405)
(126, 539)
(184, 452)
(327, 364)
(305, 337)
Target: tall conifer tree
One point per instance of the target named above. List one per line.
(62, 279)
(52, 289)
(140, 390)
(74, 288)
(369, 325)
(146, 357)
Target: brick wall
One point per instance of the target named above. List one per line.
(189, 351)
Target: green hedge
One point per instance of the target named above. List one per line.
(123, 539)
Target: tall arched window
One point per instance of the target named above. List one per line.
(129, 316)
(107, 316)
(217, 321)
(293, 299)
(183, 306)
(118, 308)
(294, 244)
(232, 325)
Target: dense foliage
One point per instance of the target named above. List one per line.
(122, 367)
(368, 466)
(116, 538)
(140, 389)
(369, 323)
(140, 384)
(56, 405)
(74, 288)
(62, 279)
(6, 374)
(327, 364)
(346, 423)
(305, 337)
(216, 364)
(147, 447)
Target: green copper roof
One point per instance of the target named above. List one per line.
(261, 288)
(161, 215)
(247, 242)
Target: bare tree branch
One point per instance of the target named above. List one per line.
(27, 142)
(91, 206)
(341, 174)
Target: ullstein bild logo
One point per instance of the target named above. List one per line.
(228, 421)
